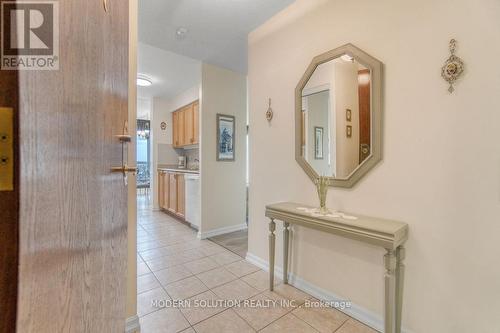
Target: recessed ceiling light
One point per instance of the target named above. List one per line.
(181, 32)
(143, 81)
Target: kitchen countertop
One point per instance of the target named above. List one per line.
(175, 168)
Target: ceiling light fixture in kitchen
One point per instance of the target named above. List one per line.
(143, 81)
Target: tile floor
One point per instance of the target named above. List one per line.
(236, 242)
(174, 265)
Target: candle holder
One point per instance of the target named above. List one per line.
(322, 184)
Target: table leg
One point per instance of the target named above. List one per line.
(390, 291)
(286, 237)
(400, 276)
(272, 238)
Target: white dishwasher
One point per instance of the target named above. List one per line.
(193, 202)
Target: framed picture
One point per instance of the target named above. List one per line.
(348, 114)
(225, 137)
(348, 131)
(318, 143)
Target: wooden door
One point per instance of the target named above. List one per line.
(181, 120)
(175, 128)
(188, 124)
(161, 188)
(166, 190)
(9, 207)
(73, 221)
(181, 195)
(196, 121)
(172, 200)
(364, 115)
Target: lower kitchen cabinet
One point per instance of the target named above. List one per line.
(171, 192)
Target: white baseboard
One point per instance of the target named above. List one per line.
(357, 312)
(221, 231)
(132, 325)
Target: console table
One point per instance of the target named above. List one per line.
(391, 235)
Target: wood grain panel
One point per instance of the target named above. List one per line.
(196, 122)
(188, 124)
(73, 225)
(364, 89)
(9, 213)
(172, 188)
(175, 128)
(161, 188)
(181, 193)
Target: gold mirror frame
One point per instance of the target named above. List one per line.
(376, 114)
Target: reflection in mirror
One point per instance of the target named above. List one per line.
(336, 117)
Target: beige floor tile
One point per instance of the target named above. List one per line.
(211, 248)
(172, 274)
(354, 326)
(216, 277)
(145, 301)
(323, 319)
(139, 259)
(201, 307)
(225, 258)
(241, 268)
(142, 269)
(236, 242)
(292, 293)
(201, 265)
(289, 324)
(225, 322)
(235, 290)
(164, 262)
(260, 280)
(186, 288)
(146, 282)
(168, 320)
(189, 330)
(262, 311)
(152, 244)
(192, 254)
(153, 254)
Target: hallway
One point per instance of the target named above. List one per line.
(174, 264)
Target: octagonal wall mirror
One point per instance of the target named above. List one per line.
(338, 120)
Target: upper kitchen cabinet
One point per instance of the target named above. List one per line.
(185, 125)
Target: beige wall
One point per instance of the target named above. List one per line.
(441, 166)
(223, 187)
(132, 191)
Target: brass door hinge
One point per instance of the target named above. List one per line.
(6, 149)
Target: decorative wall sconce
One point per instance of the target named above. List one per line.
(163, 125)
(453, 67)
(269, 112)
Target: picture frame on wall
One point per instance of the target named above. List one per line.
(348, 114)
(318, 142)
(348, 131)
(225, 138)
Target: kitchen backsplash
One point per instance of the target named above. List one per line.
(192, 155)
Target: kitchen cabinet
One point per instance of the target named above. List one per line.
(172, 202)
(181, 211)
(171, 192)
(163, 189)
(185, 125)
